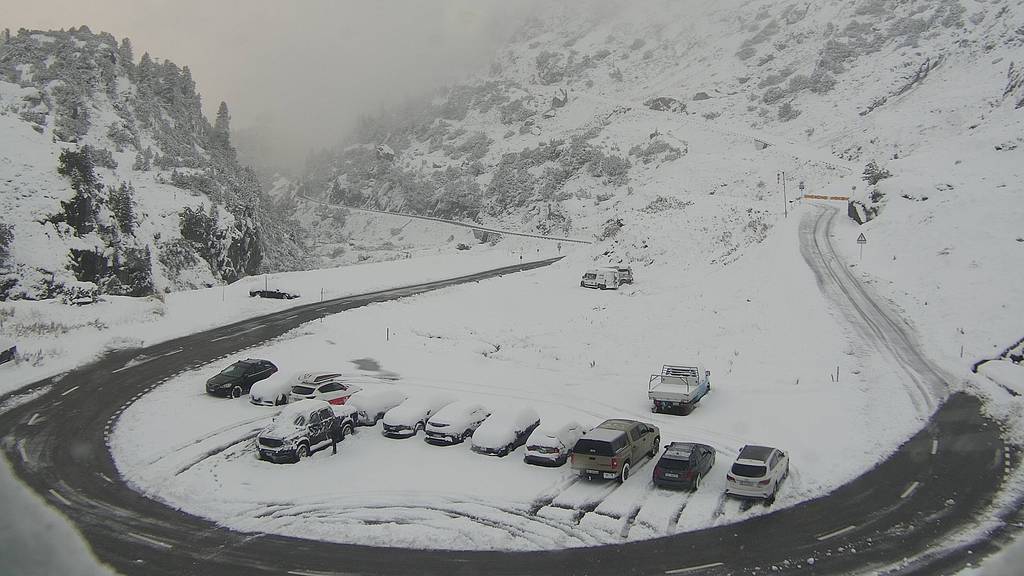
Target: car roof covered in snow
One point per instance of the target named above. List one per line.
(680, 450)
(376, 399)
(301, 407)
(603, 434)
(455, 412)
(755, 453)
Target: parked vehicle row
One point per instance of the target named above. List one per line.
(324, 407)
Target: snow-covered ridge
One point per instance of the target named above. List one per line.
(113, 180)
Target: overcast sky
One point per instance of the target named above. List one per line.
(299, 70)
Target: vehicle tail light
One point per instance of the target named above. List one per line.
(572, 457)
(657, 470)
(730, 478)
(764, 482)
(689, 474)
(615, 462)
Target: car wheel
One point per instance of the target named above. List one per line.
(346, 430)
(302, 452)
(696, 483)
(654, 447)
(465, 435)
(582, 285)
(236, 392)
(624, 475)
(604, 286)
(417, 428)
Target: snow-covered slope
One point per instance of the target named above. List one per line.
(113, 181)
(646, 127)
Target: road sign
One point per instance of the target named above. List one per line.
(861, 239)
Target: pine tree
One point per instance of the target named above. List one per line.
(145, 73)
(125, 52)
(220, 137)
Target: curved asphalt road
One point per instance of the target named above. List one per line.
(941, 480)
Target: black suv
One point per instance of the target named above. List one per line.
(683, 464)
(238, 378)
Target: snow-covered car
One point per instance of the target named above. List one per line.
(370, 405)
(757, 473)
(302, 428)
(550, 444)
(274, 392)
(455, 422)
(411, 416)
(505, 431)
(334, 391)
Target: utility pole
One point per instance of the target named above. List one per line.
(781, 176)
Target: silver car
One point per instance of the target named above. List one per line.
(757, 473)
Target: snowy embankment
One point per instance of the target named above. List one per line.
(52, 337)
(536, 338)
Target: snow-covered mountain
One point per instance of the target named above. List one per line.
(649, 126)
(114, 182)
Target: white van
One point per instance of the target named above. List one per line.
(607, 277)
(602, 278)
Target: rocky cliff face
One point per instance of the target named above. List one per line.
(113, 181)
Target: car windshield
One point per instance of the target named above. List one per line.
(749, 470)
(543, 449)
(589, 276)
(303, 390)
(674, 464)
(595, 447)
(234, 370)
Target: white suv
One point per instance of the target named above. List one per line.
(757, 473)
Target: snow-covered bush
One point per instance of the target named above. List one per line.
(550, 67)
(613, 169)
(664, 204)
(873, 173)
(474, 147)
(787, 111)
(6, 237)
(656, 150)
(515, 111)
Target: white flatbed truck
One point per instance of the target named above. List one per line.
(678, 388)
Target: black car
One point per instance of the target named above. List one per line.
(683, 464)
(238, 378)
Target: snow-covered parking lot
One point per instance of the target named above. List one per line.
(537, 339)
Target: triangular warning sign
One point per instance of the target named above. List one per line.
(861, 239)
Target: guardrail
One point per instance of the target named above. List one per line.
(451, 222)
(823, 197)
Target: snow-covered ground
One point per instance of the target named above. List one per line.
(760, 325)
(52, 337)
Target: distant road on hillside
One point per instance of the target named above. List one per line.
(451, 222)
(902, 516)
